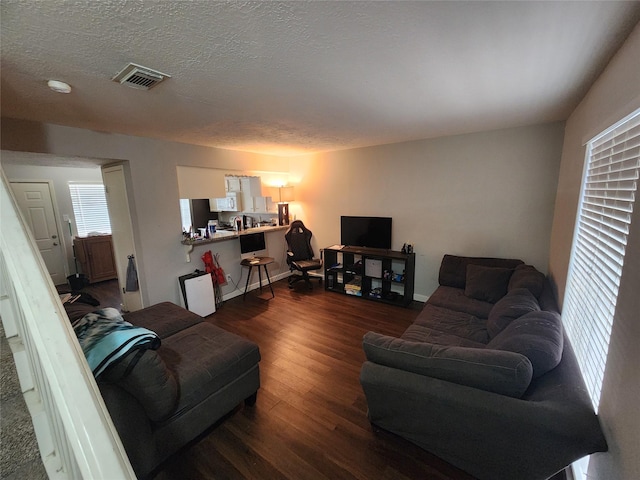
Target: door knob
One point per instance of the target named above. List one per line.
(54, 236)
(55, 244)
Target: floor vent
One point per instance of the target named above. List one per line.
(137, 76)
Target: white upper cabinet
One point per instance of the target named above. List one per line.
(232, 184)
(250, 189)
(247, 196)
(251, 186)
(265, 205)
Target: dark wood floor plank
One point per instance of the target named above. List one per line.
(310, 419)
(277, 445)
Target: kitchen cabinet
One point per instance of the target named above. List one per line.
(95, 256)
(265, 205)
(250, 188)
(249, 185)
(232, 183)
(244, 194)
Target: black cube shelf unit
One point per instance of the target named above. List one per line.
(375, 274)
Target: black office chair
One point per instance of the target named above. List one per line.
(300, 254)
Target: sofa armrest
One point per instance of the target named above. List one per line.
(134, 428)
(503, 372)
(149, 381)
(484, 433)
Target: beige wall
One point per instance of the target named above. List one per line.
(154, 203)
(483, 194)
(487, 194)
(612, 97)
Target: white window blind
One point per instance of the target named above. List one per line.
(90, 208)
(598, 252)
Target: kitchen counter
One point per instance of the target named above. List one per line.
(224, 235)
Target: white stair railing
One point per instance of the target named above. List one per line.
(75, 434)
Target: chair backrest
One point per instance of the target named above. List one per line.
(299, 242)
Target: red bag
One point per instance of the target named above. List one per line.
(212, 266)
(222, 279)
(207, 258)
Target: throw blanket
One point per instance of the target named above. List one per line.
(105, 337)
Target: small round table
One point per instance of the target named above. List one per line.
(257, 262)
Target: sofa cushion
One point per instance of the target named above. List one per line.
(501, 372)
(205, 358)
(453, 269)
(455, 299)
(426, 334)
(164, 318)
(538, 336)
(526, 276)
(488, 284)
(148, 381)
(513, 305)
(460, 324)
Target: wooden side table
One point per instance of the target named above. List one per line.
(257, 262)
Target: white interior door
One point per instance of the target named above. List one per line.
(36, 204)
(121, 231)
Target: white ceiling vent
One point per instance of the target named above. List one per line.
(137, 76)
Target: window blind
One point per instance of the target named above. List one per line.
(90, 208)
(600, 239)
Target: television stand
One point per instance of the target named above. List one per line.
(375, 274)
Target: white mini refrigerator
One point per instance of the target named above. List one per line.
(198, 294)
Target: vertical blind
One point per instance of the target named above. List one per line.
(90, 208)
(598, 252)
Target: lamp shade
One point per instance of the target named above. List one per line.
(286, 194)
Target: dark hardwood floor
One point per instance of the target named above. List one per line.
(310, 419)
(105, 292)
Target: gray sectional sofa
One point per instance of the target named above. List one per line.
(159, 400)
(485, 378)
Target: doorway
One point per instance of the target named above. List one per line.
(122, 233)
(35, 201)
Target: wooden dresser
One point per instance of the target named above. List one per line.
(95, 256)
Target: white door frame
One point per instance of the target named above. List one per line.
(122, 232)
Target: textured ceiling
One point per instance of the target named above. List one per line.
(296, 77)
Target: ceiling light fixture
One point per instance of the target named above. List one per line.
(58, 86)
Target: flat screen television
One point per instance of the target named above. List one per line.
(252, 245)
(371, 232)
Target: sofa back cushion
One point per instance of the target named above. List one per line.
(538, 336)
(453, 269)
(501, 372)
(526, 276)
(488, 284)
(513, 305)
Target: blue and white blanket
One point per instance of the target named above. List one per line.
(105, 337)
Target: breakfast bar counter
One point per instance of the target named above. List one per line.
(224, 235)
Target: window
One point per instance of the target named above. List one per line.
(185, 214)
(90, 208)
(598, 252)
